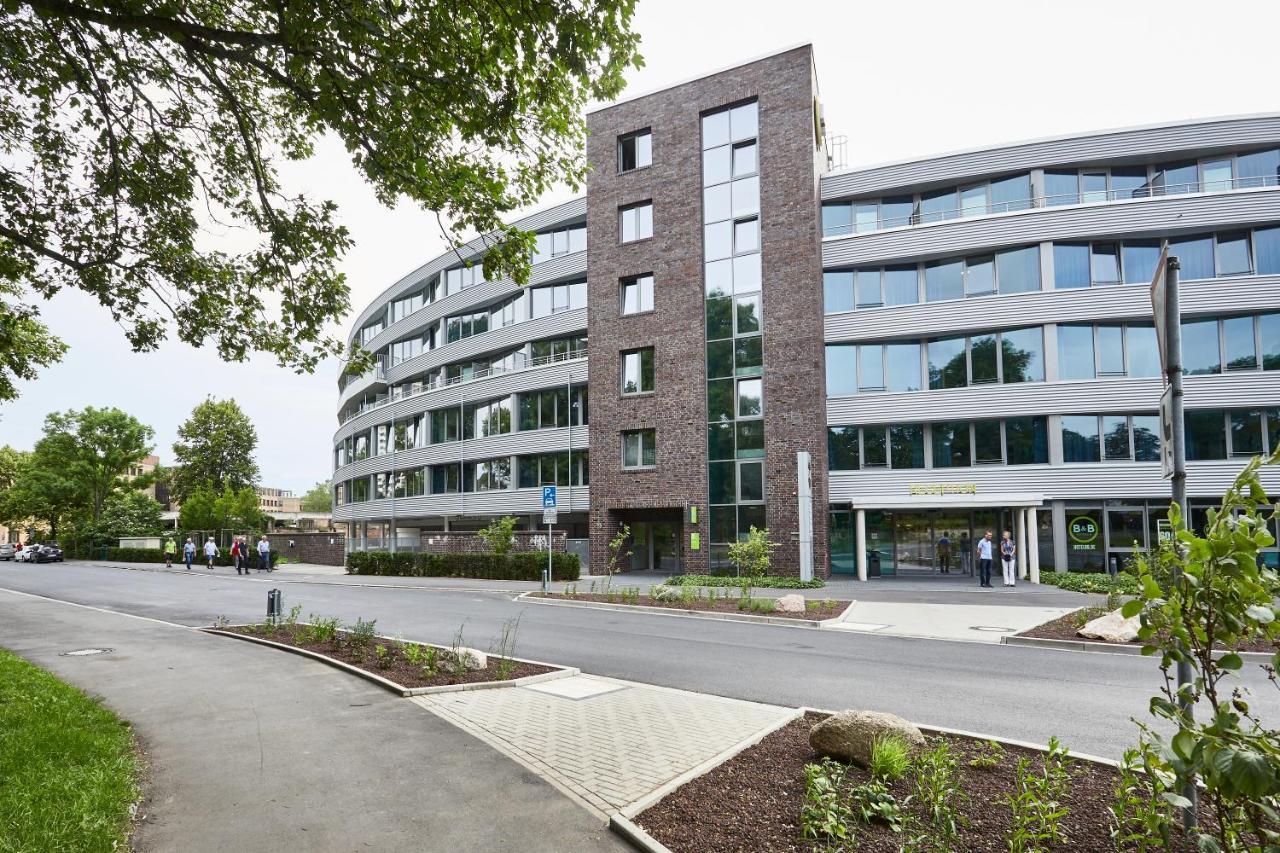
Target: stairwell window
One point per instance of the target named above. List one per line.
(639, 448)
(637, 371)
(635, 151)
(635, 222)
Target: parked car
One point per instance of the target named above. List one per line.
(52, 552)
(7, 551)
(29, 553)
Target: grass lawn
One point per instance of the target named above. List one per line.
(68, 774)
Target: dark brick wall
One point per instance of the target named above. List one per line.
(322, 549)
(795, 410)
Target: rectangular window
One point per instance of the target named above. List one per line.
(636, 222)
(987, 446)
(842, 369)
(1139, 260)
(837, 219)
(1012, 193)
(979, 276)
(1233, 255)
(750, 439)
(635, 151)
(639, 449)
(837, 291)
(446, 479)
(1237, 338)
(944, 280)
(842, 448)
(871, 367)
(750, 482)
(1070, 265)
(951, 445)
(1129, 182)
(1080, 438)
(1200, 353)
(358, 490)
(866, 289)
(1110, 347)
(938, 205)
(947, 363)
(1018, 270)
(1026, 441)
(1246, 433)
(907, 445)
(1259, 169)
(1143, 350)
(875, 449)
(1146, 438)
(750, 398)
(1195, 255)
(1104, 263)
(1206, 435)
(744, 159)
(637, 294)
(1266, 242)
(1269, 334)
(983, 359)
(901, 285)
(637, 371)
(1022, 355)
(896, 211)
(1094, 186)
(1061, 187)
(902, 363)
(1115, 437)
(1075, 352)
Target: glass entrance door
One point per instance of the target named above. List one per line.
(913, 538)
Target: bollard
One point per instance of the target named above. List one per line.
(275, 605)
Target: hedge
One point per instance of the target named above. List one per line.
(1124, 583)
(520, 566)
(156, 555)
(766, 582)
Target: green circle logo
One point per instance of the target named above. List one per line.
(1083, 529)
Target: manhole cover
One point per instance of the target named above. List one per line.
(988, 628)
(79, 653)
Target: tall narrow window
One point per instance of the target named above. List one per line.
(636, 222)
(637, 371)
(637, 294)
(639, 449)
(635, 151)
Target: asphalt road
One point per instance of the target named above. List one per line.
(1087, 700)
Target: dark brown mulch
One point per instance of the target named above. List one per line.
(396, 668)
(1065, 627)
(826, 609)
(753, 802)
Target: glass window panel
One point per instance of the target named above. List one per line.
(717, 240)
(939, 205)
(717, 165)
(746, 273)
(744, 121)
(716, 203)
(896, 211)
(715, 129)
(1104, 261)
(875, 450)
(979, 276)
(947, 363)
(719, 359)
(749, 516)
(578, 239)
(951, 445)
(746, 196)
(724, 524)
(1146, 438)
(1019, 270)
(1266, 242)
(746, 236)
(1012, 193)
(720, 400)
(1110, 350)
(719, 318)
(944, 280)
(1177, 178)
(1129, 182)
(1237, 338)
(837, 291)
(720, 441)
(720, 482)
(751, 481)
(842, 369)
(1094, 186)
(1075, 352)
(907, 445)
(837, 218)
(1115, 437)
(1026, 441)
(1140, 258)
(1233, 254)
(744, 159)
(901, 285)
(1061, 187)
(842, 448)
(750, 398)
(719, 276)
(750, 439)
(1143, 350)
(1022, 355)
(1080, 438)
(748, 356)
(1246, 433)
(1195, 255)
(1206, 434)
(987, 446)
(1259, 169)
(866, 288)
(973, 200)
(1273, 429)
(1200, 353)
(1215, 175)
(902, 363)
(1269, 332)
(871, 367)
(1070, 265)
(748, 314)
(982, 359)
(866, 216)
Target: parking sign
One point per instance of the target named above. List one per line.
(548, 497)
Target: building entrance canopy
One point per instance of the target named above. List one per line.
(940, 497)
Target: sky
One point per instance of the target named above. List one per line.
(900, 80)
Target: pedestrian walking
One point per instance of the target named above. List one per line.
(1008, 550)
(170, 548)
(264, 554)
(238, 555)
(189, 552)
(984, 560)
(944, 553)
(210, 551)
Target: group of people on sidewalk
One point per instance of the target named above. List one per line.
(240, 551)
(1008, 556)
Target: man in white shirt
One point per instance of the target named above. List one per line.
(984, 560)
(264, 554)
(210, 551)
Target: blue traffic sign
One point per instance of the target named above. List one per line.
(548, 497)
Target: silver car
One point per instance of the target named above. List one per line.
(6, 550)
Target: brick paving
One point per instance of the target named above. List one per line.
(615, 744)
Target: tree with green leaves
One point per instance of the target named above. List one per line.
(136, 129)
(319, 498)
(128, 513)
(214, 450)
(232, 509)
(25, 342)
(499, 535)
(751, 556)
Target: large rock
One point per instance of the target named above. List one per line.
(848, 735)
(469, 658)
(793, 603)
(1112, 628)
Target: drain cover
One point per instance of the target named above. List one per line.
(79, 653)
(988, 628)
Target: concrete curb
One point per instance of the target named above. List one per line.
(1098, 647)
(535, 598)
(388, 684)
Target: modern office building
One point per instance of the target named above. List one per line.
(877, 364)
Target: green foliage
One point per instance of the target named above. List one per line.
(824, 815)
(323, 629)
(521, 565)
(764, 582)
(939, 794)
(361, 634)
(214, 451)
(751, 556)
(890, 758)
(499, 535)
(128, 514)
(1101, 583)
(504, 647)
(1215, 597)
(129, 127)
(989, 755)
(25, 342)
(1142, 816)
(1038, 802)
(68, 765)
(384, 656)
(319, 498)
(232, 510)
(873, 803)
(618, 552)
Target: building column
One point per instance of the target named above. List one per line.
(860, 543)
(1033, 545)
(1021, 563)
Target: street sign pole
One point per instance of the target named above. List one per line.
(549, 519)
(1164, 295)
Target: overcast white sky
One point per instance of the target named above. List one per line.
(899, 79)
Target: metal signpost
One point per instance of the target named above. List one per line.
(1167, 314)
(549, 519)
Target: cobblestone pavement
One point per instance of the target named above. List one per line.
(605, 742)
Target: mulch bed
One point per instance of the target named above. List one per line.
(1065, 627)
(396, 667)
(825, 609)
(753, 802)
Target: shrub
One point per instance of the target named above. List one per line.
(521, 565)
(765, 582)
(751, 556)
(890, 758)
(499, 535)
(1124, 584)
(825, 815)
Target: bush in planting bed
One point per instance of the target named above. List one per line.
(765, 582)
(521, 566)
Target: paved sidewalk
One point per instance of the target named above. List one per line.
(253, 749)
(979, 623)
(605, 741)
